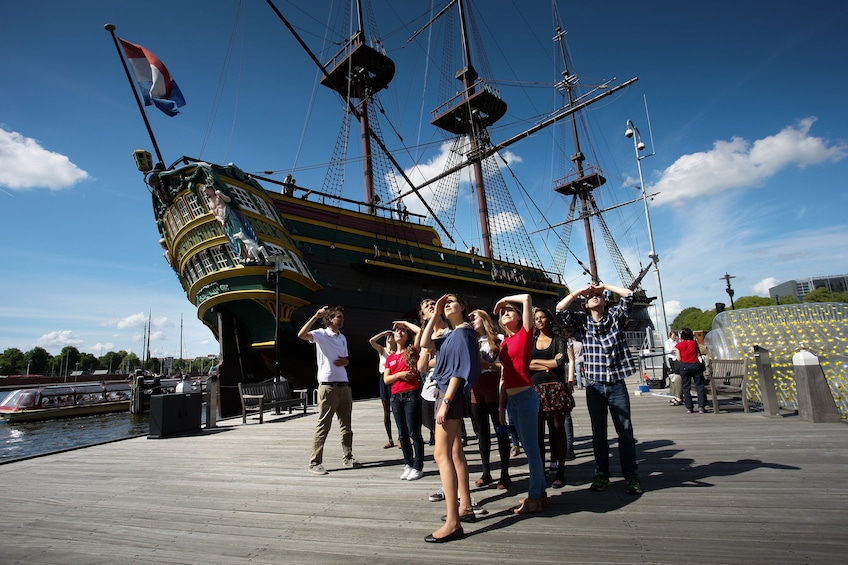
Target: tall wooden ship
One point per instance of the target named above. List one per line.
(257, 256)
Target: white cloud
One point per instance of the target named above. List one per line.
(672, 309)
(25, 165)
(131, 321)
(58, 339)
(97, 348)
(762, 288)
(740, 164)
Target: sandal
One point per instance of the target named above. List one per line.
(484, 481)
(515, 451)
(528, 506)
(389, 444)
(558, 483)
(504, 484)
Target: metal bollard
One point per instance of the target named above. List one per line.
(766, 381)
(815, 401)
(211, 401)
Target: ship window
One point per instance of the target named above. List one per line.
(194, 205)
(243, 199)
(207, 262)
(266, 209)
(169, 219)
(183, 211)
(219, 257)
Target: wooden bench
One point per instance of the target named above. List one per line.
(729, 377)
(258, 397)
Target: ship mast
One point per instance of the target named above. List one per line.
(470, 113)
(357, 72)
(587, 178)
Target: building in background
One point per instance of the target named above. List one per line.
(801, 288)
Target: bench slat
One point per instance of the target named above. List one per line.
(262, 396)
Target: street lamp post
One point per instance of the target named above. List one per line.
(639, 146)
(274, 275)
(729, 290)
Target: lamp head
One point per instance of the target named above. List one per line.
(629, 133)
(640, 146)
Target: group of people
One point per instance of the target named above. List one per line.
(457, 364)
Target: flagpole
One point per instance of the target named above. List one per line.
(111, 29)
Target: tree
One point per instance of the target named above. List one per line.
(694, 319)
(70, 356)
(753, 302)
(112, 361)
(39, 360)
(88, 363)
(12, 362)
(822, 294)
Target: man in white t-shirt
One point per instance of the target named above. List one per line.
(334, 394)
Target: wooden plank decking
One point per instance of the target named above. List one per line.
(728, 488)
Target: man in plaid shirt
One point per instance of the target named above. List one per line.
(607, 363)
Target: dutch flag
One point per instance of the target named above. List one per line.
(157, 86)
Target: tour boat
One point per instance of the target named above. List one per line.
(65, 401)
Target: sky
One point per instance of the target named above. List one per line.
(748, 131)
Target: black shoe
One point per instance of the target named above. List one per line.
(467, 518)
(456, 535)
(570, 455)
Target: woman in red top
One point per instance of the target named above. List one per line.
(402, 374)
(687, 352)
(515, 314)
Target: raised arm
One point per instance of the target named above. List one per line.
(434, 324)
(526, 305)
(305, 332)
(374, 341)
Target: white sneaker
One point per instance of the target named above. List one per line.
(478, 509)
(405, 474)
(414, 475)
(351, 463)
(317, 469)
(437, 496)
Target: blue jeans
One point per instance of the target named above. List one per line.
(613, 398)
(406, 408)
(524, 411)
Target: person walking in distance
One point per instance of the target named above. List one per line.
(334, 394)
(607, 361)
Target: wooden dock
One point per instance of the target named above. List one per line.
(724, 489)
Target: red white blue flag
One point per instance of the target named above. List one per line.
(157, 86)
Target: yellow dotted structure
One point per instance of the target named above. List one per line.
(820, 328)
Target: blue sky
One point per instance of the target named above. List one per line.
(746, 103)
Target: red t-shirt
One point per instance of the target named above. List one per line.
(515, 355)
(688, 350)
(396, 363)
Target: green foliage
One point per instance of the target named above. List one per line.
(88, 363)
(39, 360)
(12, 362)
(822, 294)
(694, 319)
(753, 302)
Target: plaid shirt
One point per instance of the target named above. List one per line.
(606, 357)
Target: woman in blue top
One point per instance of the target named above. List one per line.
(457, 369)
